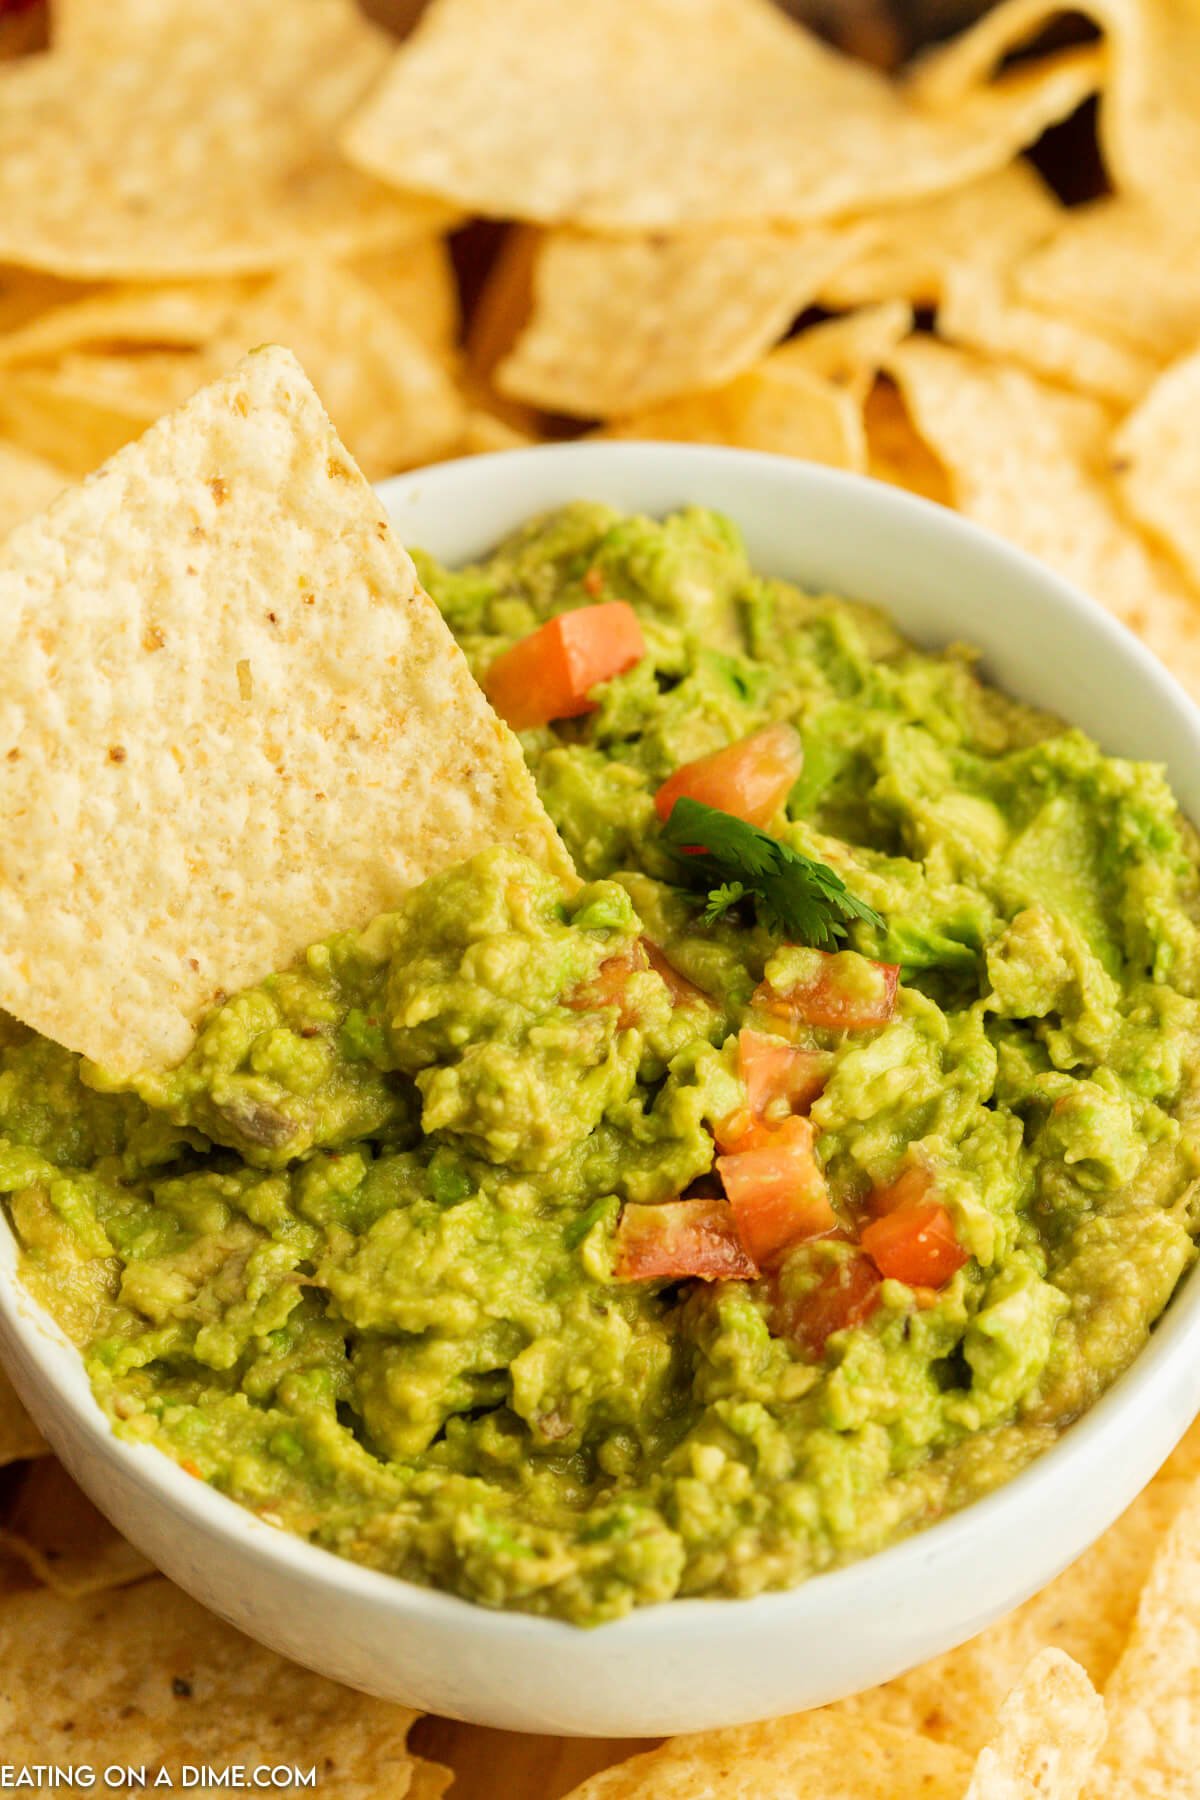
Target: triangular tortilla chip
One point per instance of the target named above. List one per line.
(1031, 462)
(809, 1754)
(184, 139)
(1086, 1612)
(1046, 1737)
(1126, 270)
(780, 406)
(1149, 117)
(231, 723)
(392, 399)
(979, 309)
(144, 1675)
(1156, 460)
(1153, 1747)
(904, 253)
(620, 324)
(676, 113)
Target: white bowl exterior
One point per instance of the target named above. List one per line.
(694, 1664)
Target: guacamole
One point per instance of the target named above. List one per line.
(464, 1248)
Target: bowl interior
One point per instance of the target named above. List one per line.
(714, 1662)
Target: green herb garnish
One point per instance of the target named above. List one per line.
(793, 895)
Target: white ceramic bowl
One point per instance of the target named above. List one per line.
(697, 1663)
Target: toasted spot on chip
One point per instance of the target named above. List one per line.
(363, 693)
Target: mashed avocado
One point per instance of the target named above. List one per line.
(358, 1261)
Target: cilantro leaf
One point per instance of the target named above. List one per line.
(794, 895)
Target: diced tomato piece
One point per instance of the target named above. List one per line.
(780, 1078)
(777, 1071)
(910, 1187)
(550, 673)
(681, 1238)
(750, 779)
(777, 1190)
(845, 992)
(682, 991)
(916, 1244)
(847, 1294)
(609, 986)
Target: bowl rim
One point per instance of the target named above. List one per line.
(1174, 1340)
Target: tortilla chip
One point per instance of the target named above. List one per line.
(1047, 1735)
(1086, 1612)
(418, 282)
(895, 450)
(906, 252)
(620, 324)
(164, 1683)
(179, 313)
(1184, 1460)
(124, 166)
(717, 112)
(1125, 270)
(504, 302)
(979, 311)
(1156, 460)
(1149, 120)
(57, 1532)
(1153, 1747)
(393, 401)
(224, 682)
(1030, 462)
(19, 1436)
(849, 351)
(429, 1782)
(779, 406)
(27, 484)
(83, 409)
(816, 1753)
(24, 293)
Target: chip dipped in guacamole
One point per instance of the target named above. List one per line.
(788, 1184)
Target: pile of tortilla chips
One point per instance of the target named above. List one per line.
(704, 225)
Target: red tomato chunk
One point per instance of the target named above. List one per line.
(915, 1243)
(550, 674)
(846, 1294)
(681, 1238)
(777, 1190)
(750, 779)
(845, 992)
